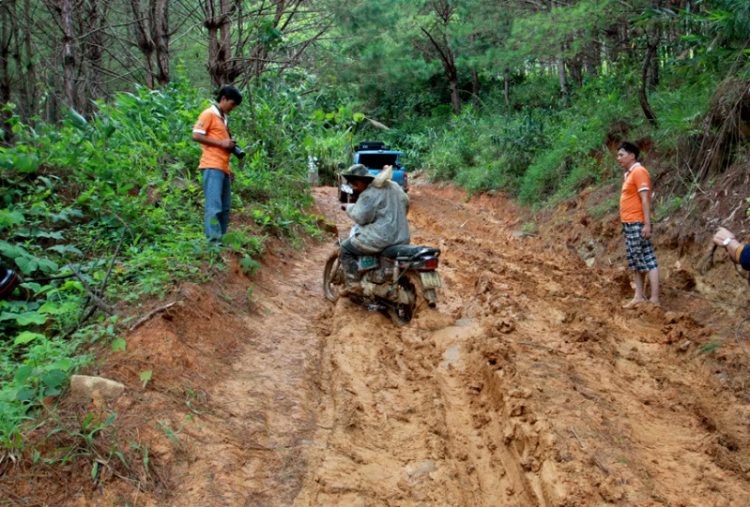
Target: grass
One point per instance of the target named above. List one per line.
(667, 207)
(608, 206)
(529, 228)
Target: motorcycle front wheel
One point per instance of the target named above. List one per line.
(332, 277)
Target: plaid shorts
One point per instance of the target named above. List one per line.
(640, 251)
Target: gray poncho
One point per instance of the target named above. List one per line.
(381, 215)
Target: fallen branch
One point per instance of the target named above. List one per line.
(98, 302)
(151, 314)
(603, 468)
(114, 258)
(573, 431)
(92, 310)
(534, 344)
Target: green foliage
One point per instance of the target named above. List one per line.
(608, 206)
(249, 265)
(537, 151)
(331, 140)
(709, 347)
(535, 143)
(72, 192)
(668, 206)
(145, 377)
(529, 228)
(543, 32)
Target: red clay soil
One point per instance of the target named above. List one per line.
(529, 385)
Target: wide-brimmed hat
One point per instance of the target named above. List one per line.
(359, 172)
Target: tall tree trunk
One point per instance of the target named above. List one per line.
(576, 70)
(562, 76)
(160, 36)
(219, 50)
(455, 97)
(7, 30)
(642, 97)
(653, 74)
(592, 59)
(506, 79)
(65, 8)
(23, 107)
(93, 50)
(144, 41)
(449, 66)
(30, 80)
(52, 101)
(475, 86)
(225, 48)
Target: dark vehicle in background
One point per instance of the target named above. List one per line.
(374, 156)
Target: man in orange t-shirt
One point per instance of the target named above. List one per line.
(212, 131)
(635, 215)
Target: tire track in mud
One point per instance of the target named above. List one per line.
(245, 443)
(529, 387)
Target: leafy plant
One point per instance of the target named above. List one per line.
(124, 180)
(145, 377)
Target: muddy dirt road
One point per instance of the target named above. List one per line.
(529, 386)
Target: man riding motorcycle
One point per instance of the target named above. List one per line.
(380, 212)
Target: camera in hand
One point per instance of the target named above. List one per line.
(237, 152)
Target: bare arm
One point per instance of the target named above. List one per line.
(646, 204)
(723, 234)
(227, 144)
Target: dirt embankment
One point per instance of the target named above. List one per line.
(529, 385)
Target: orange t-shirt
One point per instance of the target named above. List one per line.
(636, 181)
(213, 124)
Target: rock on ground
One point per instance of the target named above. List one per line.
(85, 386)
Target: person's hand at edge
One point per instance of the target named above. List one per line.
(722, 235)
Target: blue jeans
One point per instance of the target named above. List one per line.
(217, 189)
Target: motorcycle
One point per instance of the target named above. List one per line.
(399, 281)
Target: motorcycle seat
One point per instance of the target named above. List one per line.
(408, 251)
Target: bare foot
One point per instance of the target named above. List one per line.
(634, 303)
(656, 302)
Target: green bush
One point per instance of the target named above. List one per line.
(71, 193)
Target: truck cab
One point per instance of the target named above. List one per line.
(374, 156)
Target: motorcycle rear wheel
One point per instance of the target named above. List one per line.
(400, 320)
(332, 277)
(402, 314)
